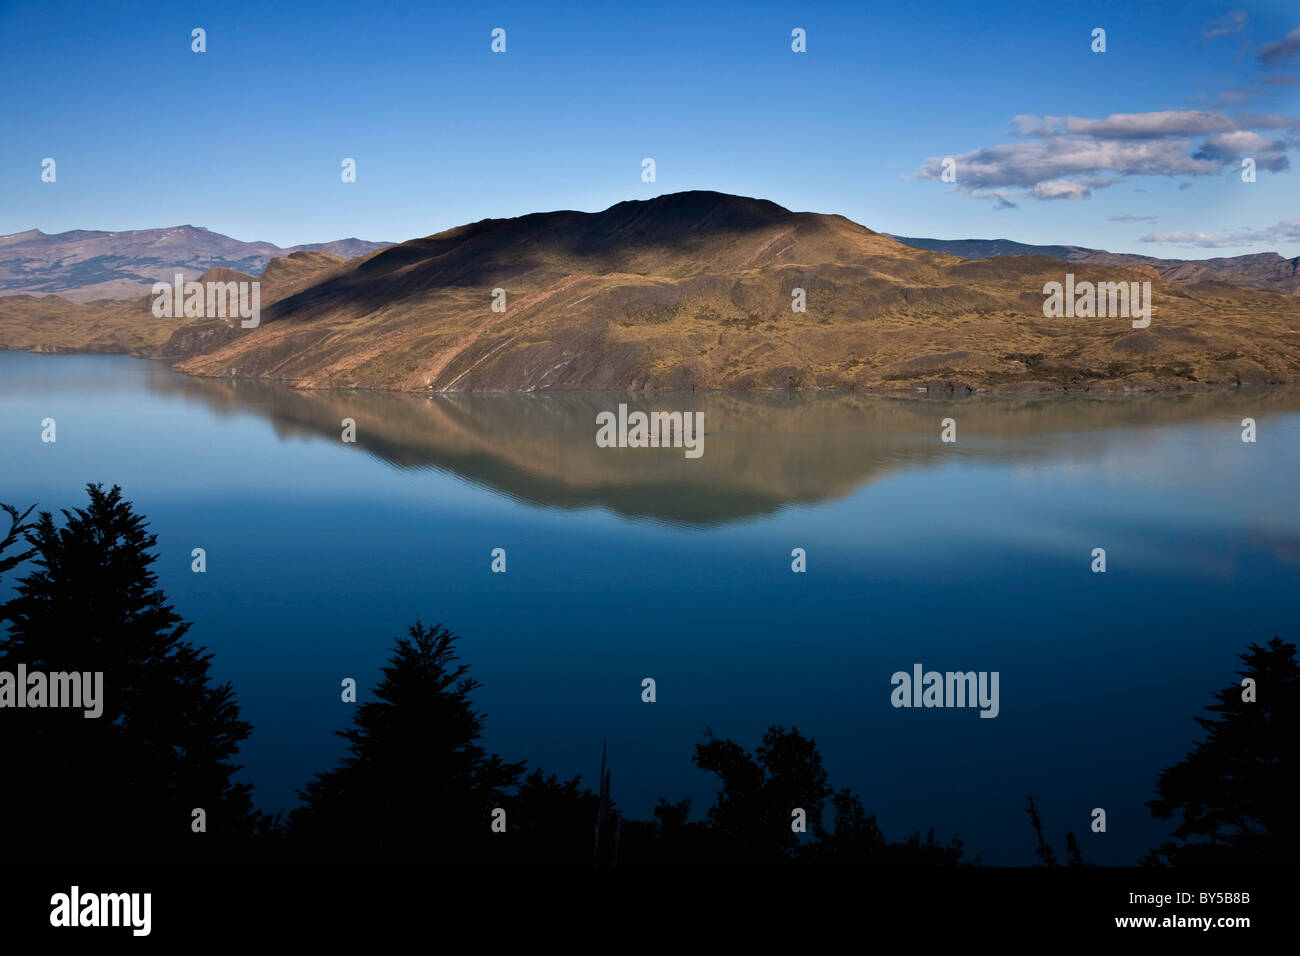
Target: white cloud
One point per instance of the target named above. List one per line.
(1204, 239)
(1068, 157)
(1230, 148)
(1063, 189)
(1152, 125)
(1288, 231)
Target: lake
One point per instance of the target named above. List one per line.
(626, 563)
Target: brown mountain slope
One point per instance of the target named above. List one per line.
(694, 290)
(689, 290)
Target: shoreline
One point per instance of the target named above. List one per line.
(945, 388)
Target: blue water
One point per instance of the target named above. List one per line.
(628, 563)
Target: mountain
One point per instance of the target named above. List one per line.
(1264, 270)
(84, 265)
(53, 324)
(695, 290)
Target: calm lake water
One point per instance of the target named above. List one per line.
(632, 563)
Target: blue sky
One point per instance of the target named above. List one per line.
(247, 139)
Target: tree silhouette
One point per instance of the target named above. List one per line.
(1072, 848)
(1235, 791)
(416, 786)
(18, 527)
(752, 812)
(552, 821)
(750, 820)
(127, 781)
(857, 839)
(672, 839)
(1044, 849)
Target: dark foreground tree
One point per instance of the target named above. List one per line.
(554, 822)
(857, 841)
(753, 813)
(752, 819)
(1235, 793)
(120, 787)
(10, 555)
(1044, 849)
(416, 786)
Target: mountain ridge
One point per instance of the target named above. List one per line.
(697, 290)
(1259, 270)
(83, 265)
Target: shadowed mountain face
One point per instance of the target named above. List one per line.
(84, 265)
(697, 291)
(763, 451)
(677, 235)
(1264, 270)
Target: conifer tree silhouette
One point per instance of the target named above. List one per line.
(123, 784)
(1235, 792)
(18, 527)
(415, 786)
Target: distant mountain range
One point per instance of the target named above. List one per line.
(693, 290)
(84, 265)
(1264, 270)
